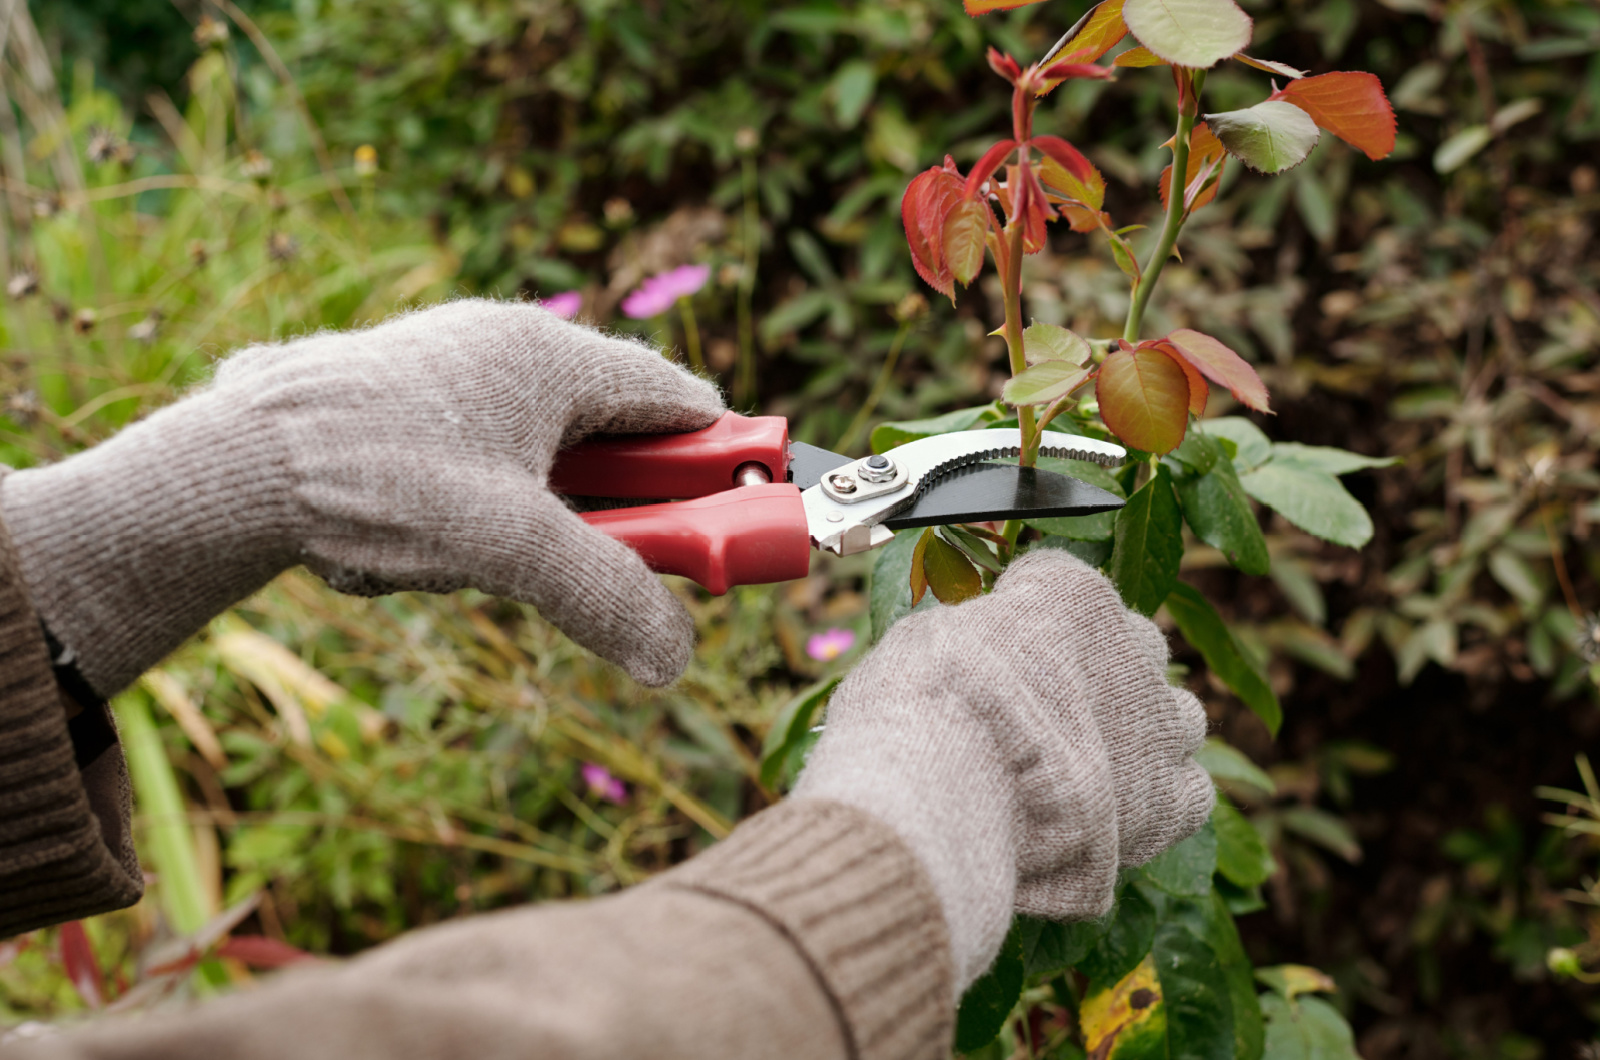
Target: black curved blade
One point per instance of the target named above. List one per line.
(808, 463)
(979, 493)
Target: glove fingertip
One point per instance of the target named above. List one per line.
(645, 630)
(1196, 799)
(1152, 642)
(644, 393)
(1192, 720)
(661, 658)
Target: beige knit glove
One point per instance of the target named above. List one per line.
(412, 455)
(1025, 744)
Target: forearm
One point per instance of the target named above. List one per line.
(609, 978)
(810, 934)
(131, 547)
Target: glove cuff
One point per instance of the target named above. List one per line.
(941, 786)
(130, 548)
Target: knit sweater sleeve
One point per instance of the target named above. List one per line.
(811, 933)
(66, 849)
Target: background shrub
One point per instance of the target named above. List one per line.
(166, 202)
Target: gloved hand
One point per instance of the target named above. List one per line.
(1024, 745)
(412, 455)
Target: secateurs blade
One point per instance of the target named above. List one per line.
(758, 504)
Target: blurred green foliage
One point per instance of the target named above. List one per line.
(1442, 308)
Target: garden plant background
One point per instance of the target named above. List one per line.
(326, 772)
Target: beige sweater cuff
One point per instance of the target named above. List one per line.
(65, 847)
(855, 902)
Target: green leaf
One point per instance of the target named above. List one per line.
(989, 1001)
(1241, 855)
(1436, 640)
(1149, 544)
(1083, 471)
(1194, 987)
(1292, 980)
(1251, 446)
(951, 576)
(1458, 148)
(1316, 206)
(1207, 920)
(1205, 631)
(1200, 452)
(796, 313)
(1126, 940)
(1051, 342)
(812, 258)
(1314, 501)
(1185, 868)
(1517, 578)
(1122, 254)
(1323, 829)
(1294, 580)
(1049, 947)
(791, 728)
(1307, 1029)
(1312, 646)
(885, 436)
(1095, 553)
(1216, 505)
(890, 594)
(851, 90)
(1326, 458)
(974, 547)
(1045, 382)
(1223, 935)
(1192, 33)
(1237, 900)
(1269, 137)
(1096, 527)
(1224, 762)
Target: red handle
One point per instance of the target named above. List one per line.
(746, 536)
(692, 464)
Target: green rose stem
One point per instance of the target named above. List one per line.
(1187, 113)
(691, 333)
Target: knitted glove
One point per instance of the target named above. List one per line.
(1024, 744)
(413, 455)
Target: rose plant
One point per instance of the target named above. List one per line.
(1165, 973)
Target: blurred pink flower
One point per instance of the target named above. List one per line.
(603, 784)
(830, 644)
(657, 293)
(564, 305)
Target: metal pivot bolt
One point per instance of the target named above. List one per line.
(877, 469)
(751, 474)
(842, 482)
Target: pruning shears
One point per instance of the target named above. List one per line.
(748, 505)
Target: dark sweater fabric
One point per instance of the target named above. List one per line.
(66, 849)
